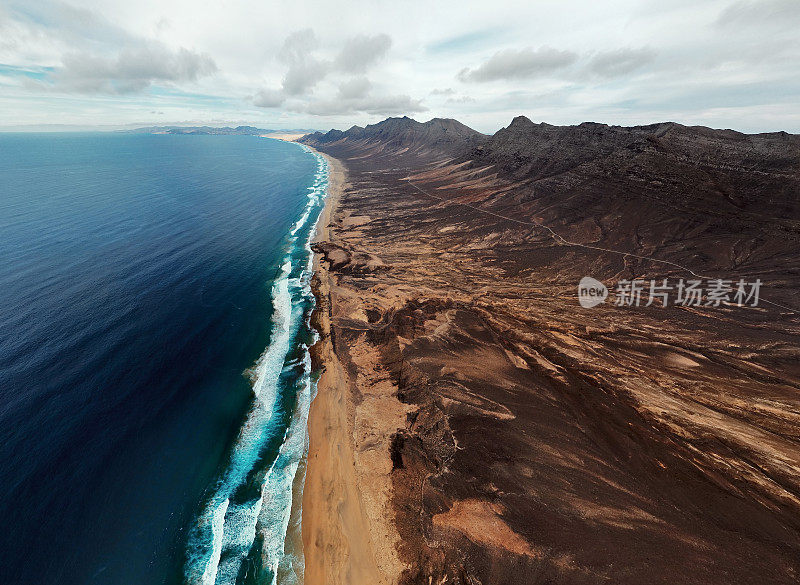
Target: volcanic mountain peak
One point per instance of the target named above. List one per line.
(391, 125)
(740, 186)
(440, 135)
(520, 123)
(431, 130)
(451, 126)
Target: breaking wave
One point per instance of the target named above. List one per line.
(241, 532)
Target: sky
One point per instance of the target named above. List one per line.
(309, 64)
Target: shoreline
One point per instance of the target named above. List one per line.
(346, 527)
(266, 527)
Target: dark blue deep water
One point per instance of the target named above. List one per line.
(137, 283)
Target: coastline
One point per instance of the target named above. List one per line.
(347, 528)
(264, 530)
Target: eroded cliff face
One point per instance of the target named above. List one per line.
(544, 442)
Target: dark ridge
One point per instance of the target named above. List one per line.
(714, 200)
(439, 136)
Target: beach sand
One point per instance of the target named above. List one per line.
(285, 136)
(348, 532)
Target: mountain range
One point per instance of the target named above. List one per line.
(499, 432)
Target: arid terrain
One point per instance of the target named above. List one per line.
(494, 431)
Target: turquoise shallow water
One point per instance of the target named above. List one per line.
(141, 276)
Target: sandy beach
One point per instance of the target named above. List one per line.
(348, 534)
(285, 136)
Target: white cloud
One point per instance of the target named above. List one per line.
(771, 12)
(722, 62)
(361, 52)
(269, 98)
(133, 70)
(620, 62)
(519, 64)
(387, 105)
(305, 70)
(355, 88)
(462, 99)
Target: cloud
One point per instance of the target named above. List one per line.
(132, 70)
(381, 105)
(466, 41)
(361, 52)
(519, 64)
(749, 12)
(302, 77)
(269, 98)
(462, 99)
(388, 105)
(355, 88)
(83, 52)
(305, 70)
(298, 45)
(619, 62)
(72, 24)
(745, 49)
(354, 97)
(452, 98)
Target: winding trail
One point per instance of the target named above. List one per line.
(563, 241)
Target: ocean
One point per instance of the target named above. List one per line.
(154, 370)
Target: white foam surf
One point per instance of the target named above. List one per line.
(230, 523)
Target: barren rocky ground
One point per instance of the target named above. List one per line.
(547, 443)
